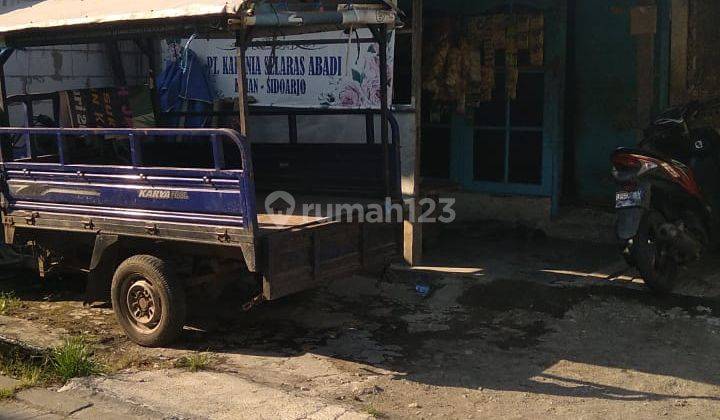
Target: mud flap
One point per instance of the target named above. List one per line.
(102, 266)
(628, 222)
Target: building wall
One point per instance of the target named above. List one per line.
(704, 49)
(603, 105)
(50, 69)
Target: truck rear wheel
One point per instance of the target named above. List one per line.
(148, 300)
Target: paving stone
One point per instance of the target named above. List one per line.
(28, 335)
(92, 413)
(58, 402)
(12, 410)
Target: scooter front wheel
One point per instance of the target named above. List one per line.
(657, 267)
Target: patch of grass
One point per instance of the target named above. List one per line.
(30, 372)
(8, 302)
(7, 393)
(194, 362)
(73, 359)
(32, 375)
(70, 360)
(374, 412)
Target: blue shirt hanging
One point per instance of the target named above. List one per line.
(184, 86)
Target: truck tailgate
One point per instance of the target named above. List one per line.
(310, 256)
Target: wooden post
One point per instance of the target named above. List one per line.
(147, 48)
(241, 37)
(679, 51)
(384, 107)
(116, 63)
(643, 26)
(412, 230)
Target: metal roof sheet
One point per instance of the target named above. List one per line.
(55, 14)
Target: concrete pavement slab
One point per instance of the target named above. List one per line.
(13, 410)
(8, 383)
(57, 402)
(213, 395)
(29, 336)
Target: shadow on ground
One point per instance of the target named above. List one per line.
(508, 310)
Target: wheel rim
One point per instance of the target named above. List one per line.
(143, 305)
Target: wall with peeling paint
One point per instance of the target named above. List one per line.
(50, 69)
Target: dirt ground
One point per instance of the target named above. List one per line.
(514, 325)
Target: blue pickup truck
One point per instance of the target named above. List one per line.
(150, 214)
(147, 229)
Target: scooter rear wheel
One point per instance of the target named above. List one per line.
(657, 267)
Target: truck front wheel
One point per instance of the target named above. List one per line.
(148, 300)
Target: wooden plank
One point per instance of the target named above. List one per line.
(643, 20)
(116, 63)
(643, 28)
(308, 257)
(679, 52)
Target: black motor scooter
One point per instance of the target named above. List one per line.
(669, 195)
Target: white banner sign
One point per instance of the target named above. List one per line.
(345, 75)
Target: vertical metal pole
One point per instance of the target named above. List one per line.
(61, 149)
(508, 133)
(218, 152)
(384, 108)
(29, 147)
(242, 36)
(135, 151)
(292, 125)
(370, 128)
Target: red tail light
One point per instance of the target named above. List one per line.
(630, 161)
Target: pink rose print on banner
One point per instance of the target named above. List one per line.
(371, 91)
(372, 68)
(364, 89)
(352, 95)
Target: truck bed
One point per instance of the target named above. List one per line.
(299, 252)
(274, 222)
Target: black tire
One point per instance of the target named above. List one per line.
(148, 301)
(658, 269)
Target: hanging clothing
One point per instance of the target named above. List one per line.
(184, 86)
